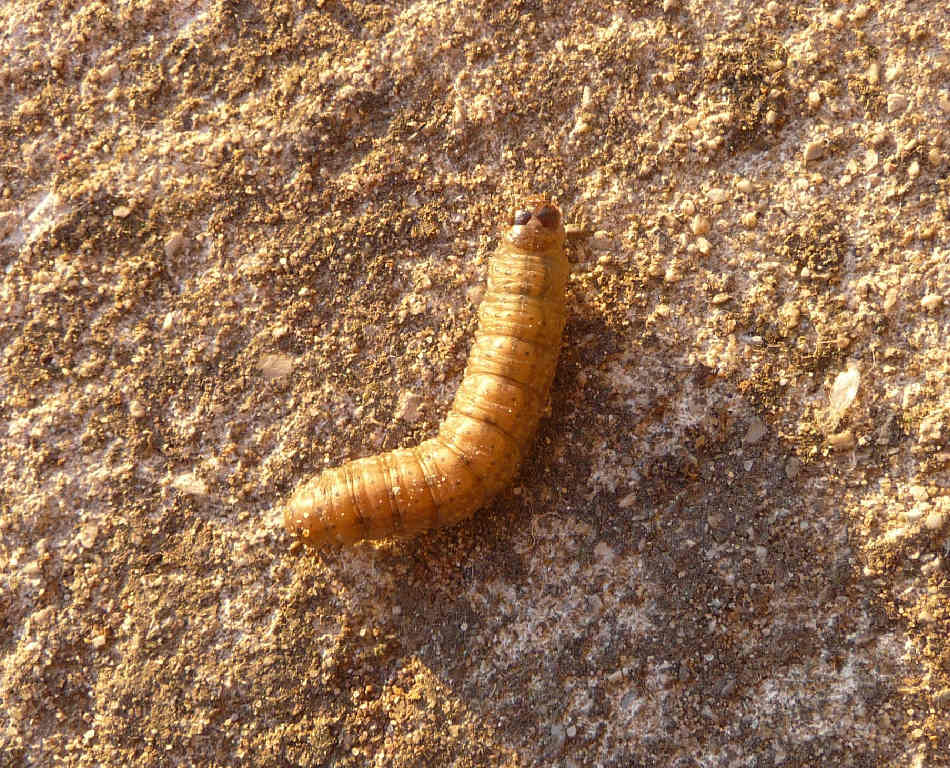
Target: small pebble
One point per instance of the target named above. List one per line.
(88, 534)
(187, 483)
(275, 366)
(699, 225)
(814, 99)
(673, 274)
(843, 391)
(814, 150)
(913, 170)
(748, 220)
(936, 520)
(175, 244)
(792, 467)
(755, 432)
(109, 73)
(789, 314)
(931, 301)
(896, 102)
(407, 409)
(136, 409)
(890, 299)
(745, 186)
(717, 195)
(703, 246)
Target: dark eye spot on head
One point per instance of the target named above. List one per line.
(521, 217)
(549, 217)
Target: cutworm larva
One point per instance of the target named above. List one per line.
(488, 430)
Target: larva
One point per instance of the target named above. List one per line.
(487, 432)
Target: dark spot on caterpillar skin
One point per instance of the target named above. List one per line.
(489, 427)
(521, 217)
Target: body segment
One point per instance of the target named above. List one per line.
(493, 417)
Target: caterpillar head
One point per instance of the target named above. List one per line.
(535, 224)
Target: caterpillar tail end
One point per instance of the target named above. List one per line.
(295, 523)
(306, 517)
(314, 515)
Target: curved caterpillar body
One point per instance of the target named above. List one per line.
(488, 430)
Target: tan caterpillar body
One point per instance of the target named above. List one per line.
(495, 413)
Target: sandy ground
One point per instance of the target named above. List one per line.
(241, 239)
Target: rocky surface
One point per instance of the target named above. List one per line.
(242, 241)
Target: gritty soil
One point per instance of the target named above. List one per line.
(237, 237)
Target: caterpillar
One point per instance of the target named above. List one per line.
(489, 427)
